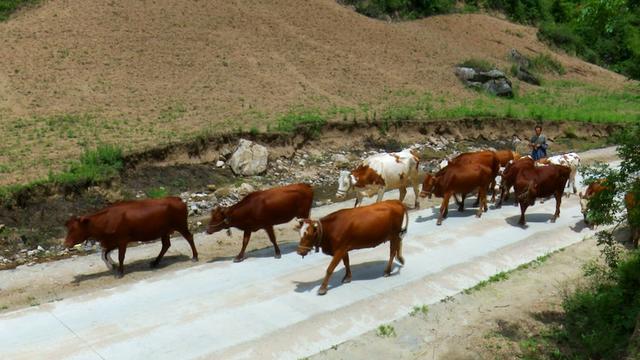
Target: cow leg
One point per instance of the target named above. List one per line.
(444, 208)
(358, 199)
(347, 275)
(122, 249)
(482, 199)
(272, 237)
(461, 203)
(381, 195)
(332, 266)
(399, 252)
(393, 250)
(558, 202)
(523, 208)
(107, 259)
(189, 237)
(416, 192)
(166, 243)
(245, 241)
(403, 193)
(493, 190)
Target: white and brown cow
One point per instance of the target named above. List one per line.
(379, 173)
(570, 160)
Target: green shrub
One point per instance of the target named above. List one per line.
(7, 7)
(96, 165)
(599, 321)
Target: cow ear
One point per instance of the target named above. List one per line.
(298, 224)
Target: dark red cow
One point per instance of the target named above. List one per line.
(124, 222)
(262, 210)
(357, 228)
(509, 176)
(633, 207)
(540, 182)
(459, 178)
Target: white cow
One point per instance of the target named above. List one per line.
(570, 160)
(379, 173)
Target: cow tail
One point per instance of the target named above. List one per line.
(403, 231)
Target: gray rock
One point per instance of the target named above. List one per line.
(499, 87)
(249, 159)
(339, 159)
(219, 163)
(465, 73)
(244, 189)
(527, 77)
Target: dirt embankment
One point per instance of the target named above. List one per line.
(37, 216)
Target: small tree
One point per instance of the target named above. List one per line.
(607, 207)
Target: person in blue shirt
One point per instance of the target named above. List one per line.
(538, 144)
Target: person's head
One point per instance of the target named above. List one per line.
(538, 129)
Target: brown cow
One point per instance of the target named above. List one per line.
(540, 182)
(262, 210)
(594, 188)
(124, 222)
(509, 176)
(458, 178)
(505, 156)
(630, 203)
(357, 228)
(485, 157)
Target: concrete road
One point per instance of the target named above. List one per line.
(264, 308)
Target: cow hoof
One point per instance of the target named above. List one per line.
(119, 275)
(346, 280)
(194, 259)
(278, 256)
(238, 259)
(439, 222)
(553, 220)
(386, 274)
(322, 291)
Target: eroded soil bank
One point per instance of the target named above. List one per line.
(32, 226)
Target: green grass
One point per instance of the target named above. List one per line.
(8, 7)
(385, 331)
(504, 275)
(546, 63)
(156, 193)
(424, 310)
(309, 121)
(559, 100)
(94, 166)
(478, 64)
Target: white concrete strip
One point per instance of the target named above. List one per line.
(267, 308)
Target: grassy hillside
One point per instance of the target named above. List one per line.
(138, 74)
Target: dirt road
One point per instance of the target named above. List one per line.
(264, 307)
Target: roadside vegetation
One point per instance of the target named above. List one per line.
(7, 7)
(604, 32)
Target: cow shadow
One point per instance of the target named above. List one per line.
(360, 272)
(469, 211)
(267, 252)
(141, 265)
(529, 217)
(579, 226)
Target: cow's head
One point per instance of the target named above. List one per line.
(428, 186)
(529, 194)
(345, 183)
(310, 236)
(219, 219)
(77, 231)
(584, 208)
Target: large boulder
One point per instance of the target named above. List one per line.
(499, 87)
(249, 159)
(465, 73)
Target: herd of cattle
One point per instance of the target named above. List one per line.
(347, 229)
